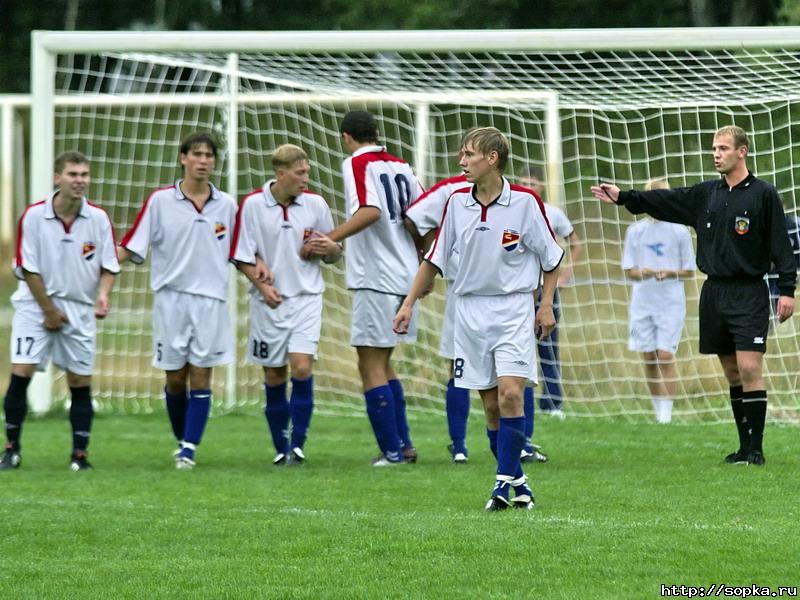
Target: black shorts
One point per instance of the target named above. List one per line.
(734, 315)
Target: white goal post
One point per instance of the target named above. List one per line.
(627, 105)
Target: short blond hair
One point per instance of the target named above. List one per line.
(486, 140)
(286, 155)
(738, 135)
(656, 184)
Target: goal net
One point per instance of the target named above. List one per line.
(611, 113)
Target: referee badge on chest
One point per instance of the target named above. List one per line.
(510, 240)
(742, 225)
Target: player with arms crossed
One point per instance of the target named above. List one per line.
(188, 227)
(422, 219)
(657, 257)
(66, 264)
(273, 224)
(501, 236)
(380, 262)
(740, 229)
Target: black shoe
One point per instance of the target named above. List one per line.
(11, 459)
(533, 455)
(756, 457)
(740, 457)
(410, 454)
(78, 462)
(496, 503)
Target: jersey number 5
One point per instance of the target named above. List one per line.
(403, 188)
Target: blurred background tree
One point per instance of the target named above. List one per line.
(20, 17)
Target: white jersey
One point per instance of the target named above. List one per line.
(190, 247)
(381, 257)
(501, 247)
(276, 233)
(426, 211)
(559, 221)
(68, 259)
(659, 246)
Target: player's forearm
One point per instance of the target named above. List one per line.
(123, 254)
(575, 248)
(107, 279)
(686, 274)
(422, 281)
(39, 291)
(251, 272)
(363, 218)
(549, 282)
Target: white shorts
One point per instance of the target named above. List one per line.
(188, 328)
(660, 330)
(493, 338)
(372, 316)
(292, 327)
(447, 339)
(72, 347)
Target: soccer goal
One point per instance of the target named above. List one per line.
(616, 105)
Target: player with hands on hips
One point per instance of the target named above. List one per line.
(502, 238)
(66, 263)
(277, 223)
(188, 227)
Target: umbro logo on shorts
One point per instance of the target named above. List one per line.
(758, 340)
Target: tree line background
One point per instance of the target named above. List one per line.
(20, 17)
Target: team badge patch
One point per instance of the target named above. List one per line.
(307, 233)
(742, 225)
(510, 240)
(220, 230)
(89, 249)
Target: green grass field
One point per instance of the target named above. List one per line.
(622, 509)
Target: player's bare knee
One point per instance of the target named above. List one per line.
(75, 381)
(665, 356)
(20, 370)
(199, 377)
(176, 381)
(275, 375)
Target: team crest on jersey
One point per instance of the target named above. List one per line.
(89, 249)
(510, 240)
(307, 233)
(742, 225)
(220, 230)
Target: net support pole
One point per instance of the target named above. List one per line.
(43, 67)
(555, 176)
(232, 135)
(6, 174)
(421, 154)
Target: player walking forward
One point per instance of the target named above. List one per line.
(501, 236)
(274, 223)
(740, 228)
(422, 218)
(380, 263)
(66, 265)
(188, 227)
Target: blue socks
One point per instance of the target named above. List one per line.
(457, 408)
(196, 418)
(300, 409)
(507, 443)
(529, 408)
(176, 410)
(276, 411)
(382, 417)
(400, 413)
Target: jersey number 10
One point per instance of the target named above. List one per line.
(403, 188)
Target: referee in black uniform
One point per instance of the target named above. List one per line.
(741, 230)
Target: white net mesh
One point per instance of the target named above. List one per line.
(624, 116)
